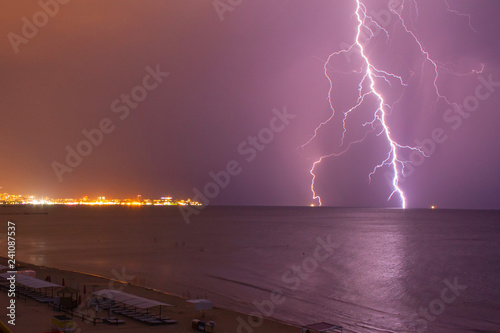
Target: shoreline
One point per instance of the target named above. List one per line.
(35, 317)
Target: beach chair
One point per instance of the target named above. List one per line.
(113, 321)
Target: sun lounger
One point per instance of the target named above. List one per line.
(113, 321)
(139, 316)
(152, 321)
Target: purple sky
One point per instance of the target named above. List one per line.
(225, 79)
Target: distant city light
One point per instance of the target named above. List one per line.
(9, 199)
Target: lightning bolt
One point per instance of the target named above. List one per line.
(373, 78)
(454, 11)
(316, 163)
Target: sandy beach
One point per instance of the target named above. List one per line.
(32, 316)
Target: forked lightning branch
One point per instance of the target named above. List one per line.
(375, 83)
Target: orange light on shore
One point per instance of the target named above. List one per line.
(7, 199)
(433, 207)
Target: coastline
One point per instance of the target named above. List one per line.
(32, 316)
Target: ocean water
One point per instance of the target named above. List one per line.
(369, 270)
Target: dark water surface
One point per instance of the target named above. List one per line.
(370, 270)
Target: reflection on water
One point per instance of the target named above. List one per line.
(388, 264)
(37, 256)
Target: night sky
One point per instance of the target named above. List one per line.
(229, 75)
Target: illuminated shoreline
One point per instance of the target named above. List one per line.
(17, 200)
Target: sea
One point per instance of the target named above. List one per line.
(368, 270)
